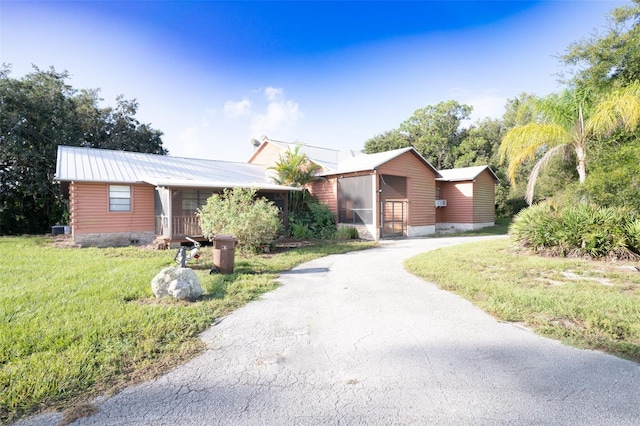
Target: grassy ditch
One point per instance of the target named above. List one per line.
(79, 322)
(584, 303)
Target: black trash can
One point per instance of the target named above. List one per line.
(224, 253)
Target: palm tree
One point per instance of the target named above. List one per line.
(295, 169)
(570, 120)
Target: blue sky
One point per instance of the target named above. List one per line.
(212, 75)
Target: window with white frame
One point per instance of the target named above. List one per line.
(119, 198)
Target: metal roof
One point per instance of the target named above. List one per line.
(465, 173)
(328, 158)
(373, 161)
(102, 165)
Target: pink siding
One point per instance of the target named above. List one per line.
(468, 201)
(267, 153)
(459, 196)
(484, 199)
(89, 208)
(421, 186)
(326, 191)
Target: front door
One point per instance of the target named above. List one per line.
(393, 218)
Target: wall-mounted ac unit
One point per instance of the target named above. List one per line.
(441, 203)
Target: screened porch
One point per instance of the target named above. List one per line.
(175, 210)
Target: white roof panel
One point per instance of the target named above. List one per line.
(102, 165)
(464, 173)
(372, 161)
(328, 158)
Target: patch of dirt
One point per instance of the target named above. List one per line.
(573, 276)
(567, 324)
(63, 241)
(79, 411)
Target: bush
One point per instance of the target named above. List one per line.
(314, 221)
(578, 230)
(510, 207)
(253, 221)
(346, 233)
(614, 175)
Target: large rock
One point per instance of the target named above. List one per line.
(179, 283)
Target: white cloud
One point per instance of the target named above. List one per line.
(275, 116)
(487, 106)
(273, 93)
(225, 133)
(279, 115)
(234, 109)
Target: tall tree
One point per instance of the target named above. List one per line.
(614, 173)
(122, 131)
(39, 112)
(480, 145)
(610, 59)
(572, 119)
(434, 131)
(520, 110)
(387, 141)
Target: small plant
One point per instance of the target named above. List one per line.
(300, 231)
(253, 221)
(346, 233)
(314, 220)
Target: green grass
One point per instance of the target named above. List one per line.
(583, 303)
(500, 228)
(78, 322)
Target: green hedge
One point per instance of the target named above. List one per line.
(581, 230)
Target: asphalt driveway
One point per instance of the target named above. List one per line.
(354, 339)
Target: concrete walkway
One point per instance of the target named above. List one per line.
(354, 339)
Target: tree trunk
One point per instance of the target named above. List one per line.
(582, 169)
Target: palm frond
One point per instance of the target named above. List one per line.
(620, 109)
(294, 168)
(524, 142)
(541, 164)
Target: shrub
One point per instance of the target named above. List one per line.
(578, 230)
(323, 222)
(346, 233)
(300, 231)
(314, 221)
(253, 221)
(510, 207)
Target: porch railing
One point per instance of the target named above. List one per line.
(181, 226)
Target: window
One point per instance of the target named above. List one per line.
(119, 198)
(189, 200)
(193, 199)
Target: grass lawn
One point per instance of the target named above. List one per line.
(500, 228)
(78, 322)
(584, 303)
